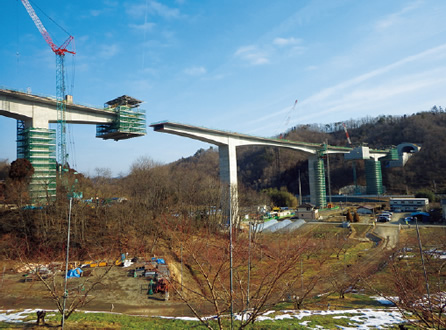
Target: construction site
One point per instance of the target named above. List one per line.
(188, 240)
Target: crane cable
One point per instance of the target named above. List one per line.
(52, 20)
(17, 53)
(288, 117)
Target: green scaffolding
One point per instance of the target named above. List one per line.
(391, 155)
(319, 177)
(373, 177)
(38, 145)
(130, 121)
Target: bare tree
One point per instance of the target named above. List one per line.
(421, 294)
(206, 256)
(78, 296)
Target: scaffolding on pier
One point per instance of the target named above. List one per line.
(373, 177)
(130, 121)
(38, 145)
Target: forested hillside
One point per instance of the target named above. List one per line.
(155, 199)
(265, 167)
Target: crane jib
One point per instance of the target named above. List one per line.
(58, 50)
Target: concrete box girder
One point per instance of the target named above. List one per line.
(38, 111)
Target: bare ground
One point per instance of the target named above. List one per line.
(117, 292)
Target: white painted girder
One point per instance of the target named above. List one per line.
(225, 138)
(39, 111)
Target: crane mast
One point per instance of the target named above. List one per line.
(60, 52)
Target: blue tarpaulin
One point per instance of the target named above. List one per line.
(159, 261)
(74, 273)
(424, 216)
(420, 213)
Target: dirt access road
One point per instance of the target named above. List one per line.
(117, 292)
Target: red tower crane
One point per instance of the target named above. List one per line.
(60, 82)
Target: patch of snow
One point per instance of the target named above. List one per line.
(376, 319)
(384, 301)
(365, 318)
(268, 313)
(15, 316)
(283, 316)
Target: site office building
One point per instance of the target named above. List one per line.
(408, 204)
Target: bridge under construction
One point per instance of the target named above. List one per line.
(228, 142)
(121, 118)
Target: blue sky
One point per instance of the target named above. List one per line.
(230, 65)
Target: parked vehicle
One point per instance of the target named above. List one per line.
(383, 218)
(408, 219)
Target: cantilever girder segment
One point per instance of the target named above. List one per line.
(228, 143)
(219, 137)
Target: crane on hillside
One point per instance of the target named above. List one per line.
(60, 83)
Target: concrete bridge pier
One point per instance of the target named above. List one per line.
(316, 173)
(228, 177)
(373, 177)
(38, 145)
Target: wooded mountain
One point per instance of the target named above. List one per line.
(265, 167)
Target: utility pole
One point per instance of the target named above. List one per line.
(231, 286)
(249, 265)
(300, 190)
(181, 267)
(65, 293)
(328, 171)
(424, 266)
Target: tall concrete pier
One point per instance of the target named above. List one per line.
(120, 119)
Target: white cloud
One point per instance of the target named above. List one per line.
(286, 41)
(311, 68)
(252, 55)
(147, 26)
(95, 12)
(154, 8)
(139, 86)
(266, 53)
(328, 92)
(111, 3)
(136, 10)
(395, 18)
(363, 92)
(163, 10)
(195, 71)
(108, 51)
